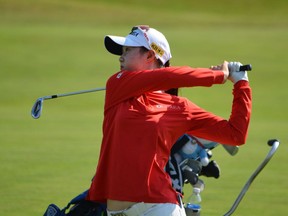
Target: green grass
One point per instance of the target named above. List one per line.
(53, 46)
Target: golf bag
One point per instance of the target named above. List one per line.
(189, 170)
(78, 206)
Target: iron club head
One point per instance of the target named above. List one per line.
(37, 108)
(232, 150)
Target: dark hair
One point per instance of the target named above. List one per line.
(172, 91)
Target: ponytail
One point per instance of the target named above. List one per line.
(172, 91)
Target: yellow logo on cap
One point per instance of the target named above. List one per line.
(158, 50)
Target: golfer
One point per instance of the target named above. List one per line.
(142, 122)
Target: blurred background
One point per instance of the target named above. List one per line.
(56, 46)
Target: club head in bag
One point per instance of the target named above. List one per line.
(37, 108)
(232, 150)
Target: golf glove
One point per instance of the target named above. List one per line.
(234, 74)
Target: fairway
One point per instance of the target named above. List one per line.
(52, 46)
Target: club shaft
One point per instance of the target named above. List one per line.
(252, 177)
(72, 93)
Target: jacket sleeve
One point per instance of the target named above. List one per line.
(127, 84)
(233, 131)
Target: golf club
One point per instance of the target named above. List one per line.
(274, 143)
(38, 105)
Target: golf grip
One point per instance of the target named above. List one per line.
(247, 67)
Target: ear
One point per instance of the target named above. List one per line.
(150, 56)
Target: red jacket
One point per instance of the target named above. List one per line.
(142, 123)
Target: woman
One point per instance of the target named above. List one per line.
(141, 123)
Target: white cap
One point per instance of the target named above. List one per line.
(141, 36)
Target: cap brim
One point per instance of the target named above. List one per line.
(114, 44)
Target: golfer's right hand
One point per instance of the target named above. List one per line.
(224, 68)
(234, 74)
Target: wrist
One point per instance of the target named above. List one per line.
(219, 77)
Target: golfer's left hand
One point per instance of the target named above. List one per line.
(234, 74)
